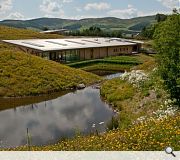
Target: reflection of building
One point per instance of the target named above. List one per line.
(66, 50)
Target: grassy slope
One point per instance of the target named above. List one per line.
(23, 74)
(128, 99)
(14, 33)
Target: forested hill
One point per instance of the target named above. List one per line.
(107, 23)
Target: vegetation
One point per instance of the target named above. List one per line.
(119, 60)
(133, 102)
(108, 67)
(147, 119)
(23, 74)
(95, 31)
(14, 33)
(117, 63)
(167, 44)
(147, 31)
(161, 17)
(108, 23)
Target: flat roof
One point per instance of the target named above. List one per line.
(73, 43)
(52, 31)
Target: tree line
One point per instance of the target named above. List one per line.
(95, 32)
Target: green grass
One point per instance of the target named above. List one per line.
(135, 102)
(108, 67)
(117, 63)
(22, 74)
(124, 58)
(117, 90)
(14, 33)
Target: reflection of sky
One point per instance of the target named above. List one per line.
(113, 76)
(53, 119)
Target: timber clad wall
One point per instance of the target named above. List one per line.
(103, 52)
(84, 54)
(95, 53)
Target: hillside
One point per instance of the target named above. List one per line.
(23, 74)
(15, 33)
(107, 23)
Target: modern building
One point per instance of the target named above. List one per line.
(67, 50)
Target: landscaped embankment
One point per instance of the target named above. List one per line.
(118, 63)
(22, 74)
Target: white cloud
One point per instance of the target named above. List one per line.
(170, 3)
(5, 5)
(15, 16)
(67, 1)
(129, 12)
(50, 6)
(97, 6)
(78, 17)
(53, 8)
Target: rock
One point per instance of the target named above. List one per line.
(96, 87)
(81, 86)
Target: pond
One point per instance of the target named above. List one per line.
(53, 119)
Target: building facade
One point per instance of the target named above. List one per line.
(68, 50)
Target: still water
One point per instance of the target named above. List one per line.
(51, 120)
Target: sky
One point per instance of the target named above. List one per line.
(78, 9)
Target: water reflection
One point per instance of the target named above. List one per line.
(50, 120)
(113, 76)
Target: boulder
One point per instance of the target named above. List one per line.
(81, 86)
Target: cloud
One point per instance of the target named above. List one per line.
(170, 3)
(50, 6)
(129, 12)
(53, 8)
(67, 1)
(15, 16)
(97, 6)
(5, 5)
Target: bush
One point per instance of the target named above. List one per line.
(167, 45)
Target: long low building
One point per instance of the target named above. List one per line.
(74, 49)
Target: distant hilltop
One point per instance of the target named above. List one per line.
(107, 23)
